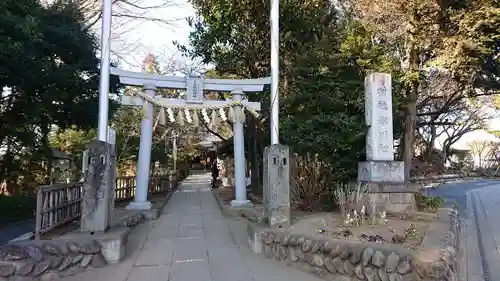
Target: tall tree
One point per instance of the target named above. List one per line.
(49, 62)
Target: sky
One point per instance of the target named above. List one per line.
(152, 37)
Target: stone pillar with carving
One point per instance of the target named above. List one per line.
(276, 185)
(388, 190)
(98, 188)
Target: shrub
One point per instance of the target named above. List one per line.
(310, 182)
(17, 207)
(428, 203)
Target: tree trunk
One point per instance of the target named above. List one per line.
(411, 111)
(47, 151)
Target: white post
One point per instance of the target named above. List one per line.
(141, 191)
(102, 125)
(239, 155)
(275, 66)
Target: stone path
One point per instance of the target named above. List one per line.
(479, 203)
(193, 241)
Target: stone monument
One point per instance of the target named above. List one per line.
(98, 188)
(277, 185)
(386, 177)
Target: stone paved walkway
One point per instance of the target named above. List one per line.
(193, 241)
(482, 233)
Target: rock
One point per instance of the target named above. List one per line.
(300, 254)
(356, 255)
(73, 271)
(268, 238)
(75, 247)
(50, 276)
(285, 240)
(378, 259)
(293, 256)
(307, 246)
(383, 274)
(12, 253)
(348, 268)
(438, 270)
(277, 239)
(326, 248)
(395, 277)
(51, 249)
(345, 253)
(34, 252)
(359, 272)
(55, 261)
(65, 263)
(92, 248)
(41, 268)
(371, 274)
(300, 241)
(64, 249)
(283, 252)
(367, 256)
(318, 260)
(309, 258)
(451, 250)
(7, 270)
(329, 265)
(85, 261)
(422, 270)
(446, 257)
(405, 266)
(25, 268)
(316, 246)
(276, 251)
(398, 239)
(339, 265)
(450, 276)
(76, 259)
(336, 250)
(392, 262)
(98, 261)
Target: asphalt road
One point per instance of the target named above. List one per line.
(15, 230)
(455, 191)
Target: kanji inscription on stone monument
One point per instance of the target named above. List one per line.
(380, 165)
(378, 108)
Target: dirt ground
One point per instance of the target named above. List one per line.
(407, 230)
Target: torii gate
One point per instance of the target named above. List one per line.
(194, 100)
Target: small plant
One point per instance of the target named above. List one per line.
(352, 199)
(411, 232)
(428, 203)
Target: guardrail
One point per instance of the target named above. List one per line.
(60, 204)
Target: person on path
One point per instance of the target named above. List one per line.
(215, 172)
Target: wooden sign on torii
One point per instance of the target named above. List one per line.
(194, 100)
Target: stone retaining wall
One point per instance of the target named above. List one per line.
(334, 259)
(48, 260)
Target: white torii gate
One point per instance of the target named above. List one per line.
(194, 100)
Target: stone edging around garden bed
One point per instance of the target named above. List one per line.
(49, 260)
(334, 259)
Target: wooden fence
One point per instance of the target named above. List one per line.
(60, 204)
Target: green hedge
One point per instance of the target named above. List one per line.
(15, 208)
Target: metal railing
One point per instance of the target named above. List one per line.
(60, 204)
